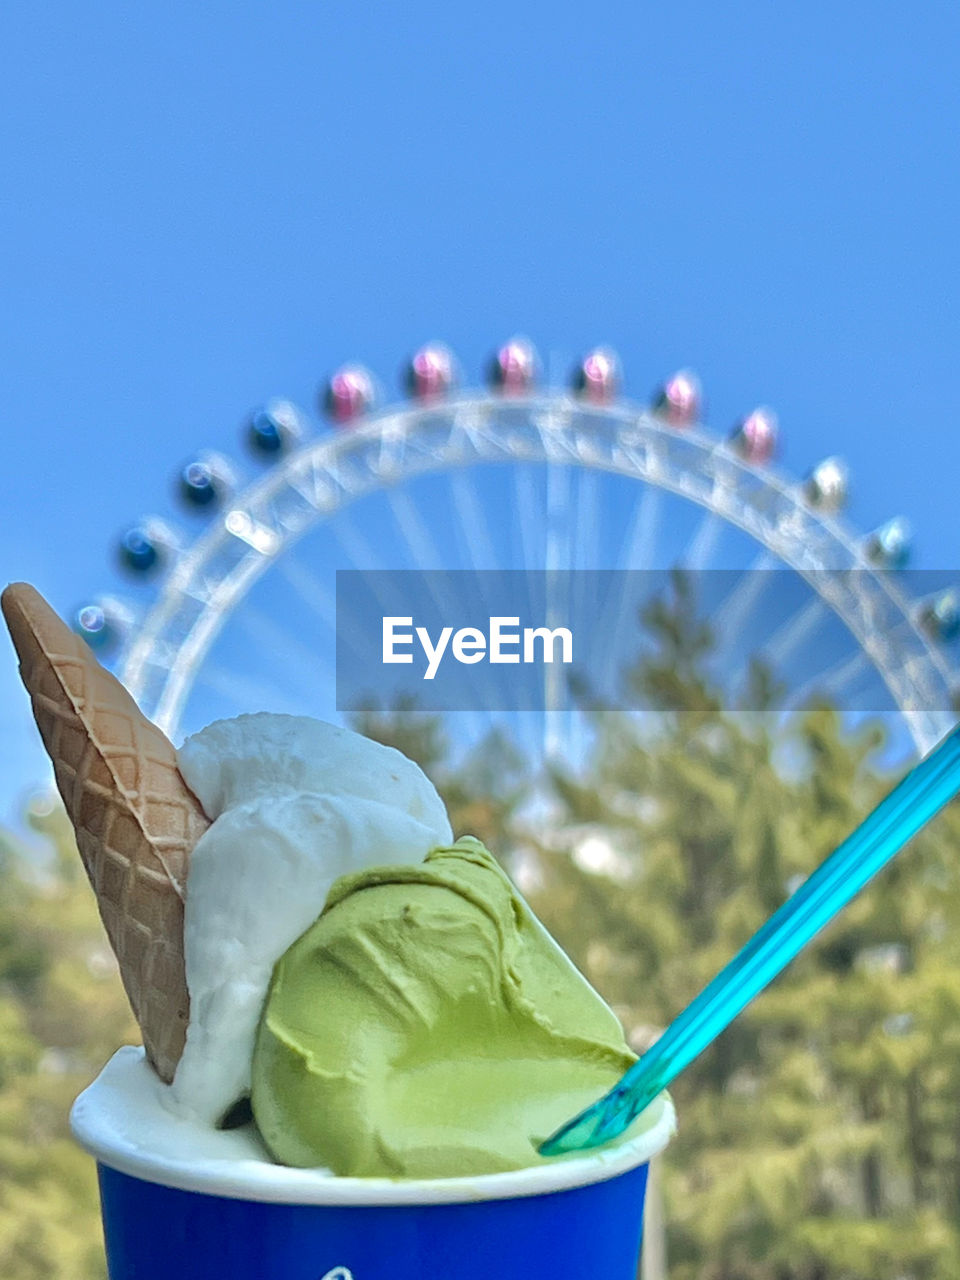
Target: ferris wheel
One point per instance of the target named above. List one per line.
(239, 614)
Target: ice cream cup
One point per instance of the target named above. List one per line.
(216, 1210)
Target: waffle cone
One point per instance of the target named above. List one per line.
(135, 820)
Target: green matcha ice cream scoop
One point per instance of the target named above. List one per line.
(427, 1025)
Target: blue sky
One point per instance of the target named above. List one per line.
(209, 205)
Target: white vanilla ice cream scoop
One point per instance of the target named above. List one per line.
(294, 803)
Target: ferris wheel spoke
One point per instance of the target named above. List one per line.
(831, 682)
(730, 618)
(362, 558)
(556, 526)
(584, 557)
(794, 632)
(530, 513)
(557, 560)
(587, 584)
(635, 556)
(423, 549)
(472, 522)
(358, 548)
(638, 549)
(425, 552)
(469, 519)
(427, 557)
(703, 545)
(337, 616)
(281, 647)
(586, 522)
(618, 615)
(529, 491)
(309, 589)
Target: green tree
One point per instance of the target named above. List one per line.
(62, 1013)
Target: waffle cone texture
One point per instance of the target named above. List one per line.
(136, 821)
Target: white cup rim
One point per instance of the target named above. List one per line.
(101, 1123)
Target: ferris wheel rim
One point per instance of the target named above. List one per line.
(566, 430)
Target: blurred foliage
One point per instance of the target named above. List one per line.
(819, 1136)
(62, 1013)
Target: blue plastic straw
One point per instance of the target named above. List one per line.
(911, 804)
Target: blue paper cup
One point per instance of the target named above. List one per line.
(224, 1216)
